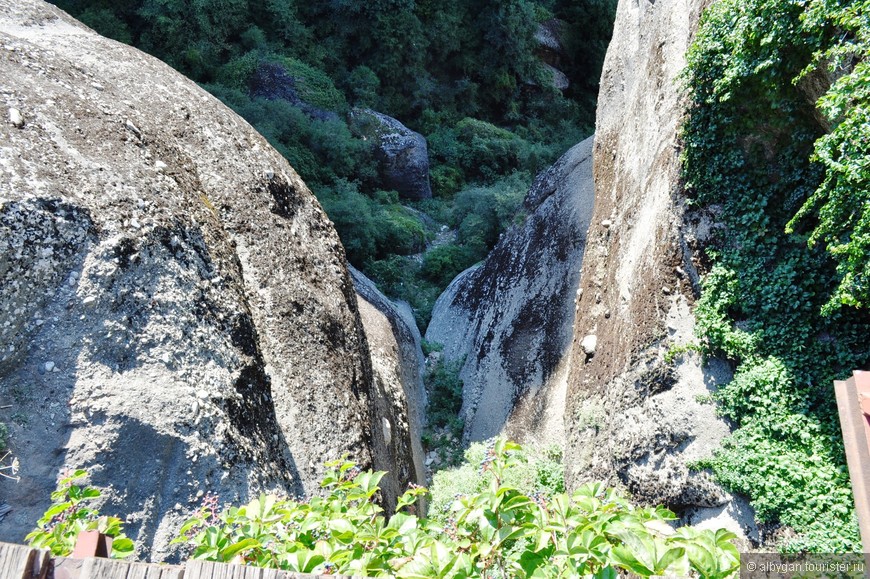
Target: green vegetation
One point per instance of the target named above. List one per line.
(496, 530)
(68, 516)
(677, 351)
(786, 297)
(492, 527)
(539, 475)
(444, 425)
(467, 75)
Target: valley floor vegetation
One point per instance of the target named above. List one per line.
(777, 150)
(470, 76)
(508, 517)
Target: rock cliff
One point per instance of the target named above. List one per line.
(175, 311)
(511, 318)
(399, 394)
(637, 414)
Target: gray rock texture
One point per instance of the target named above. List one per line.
(511, 318)
(402, 154)
(551, 50)
(399, 394)
(175, 311)
(635, 417)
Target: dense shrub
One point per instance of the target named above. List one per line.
(790, 315)
(315, 87)
(444, 389)
(496, 530)
(483, 213)
(539, 474)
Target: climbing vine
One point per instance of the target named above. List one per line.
(786, 296)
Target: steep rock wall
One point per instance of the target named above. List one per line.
(175, 312)
(635, 417)
(511, 318)
(399, 393)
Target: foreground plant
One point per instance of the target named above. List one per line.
(498, 532)
(68, 516)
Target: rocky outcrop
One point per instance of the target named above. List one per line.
(511, 318)
(175, 312)
(402, 154)
(399, 394)
(551, 51)
(272, 81)
(637, 415)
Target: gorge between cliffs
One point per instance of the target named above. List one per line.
(519, 249)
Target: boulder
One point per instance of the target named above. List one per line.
(548, 36)
(402, 154)
(176, 315)
(551, 51)
(272, 81)
(560, 79)
(510, 319)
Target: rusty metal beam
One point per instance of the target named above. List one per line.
(853, 402)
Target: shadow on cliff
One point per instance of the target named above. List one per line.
(93, 353)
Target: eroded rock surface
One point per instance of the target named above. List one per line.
(175, 311)
(511, 318)
(637, 417)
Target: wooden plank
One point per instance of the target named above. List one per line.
(171, 572)
(139, 571)
(210, 570)
(197, 570)
(42, 564)
(65, 568)
(94, 568)
(16, 561)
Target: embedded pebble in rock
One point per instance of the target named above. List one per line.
(16, 118)
(588, 344)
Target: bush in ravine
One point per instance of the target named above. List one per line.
(496, 532)
(538, 475)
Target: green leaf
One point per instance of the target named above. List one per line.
(232, 550)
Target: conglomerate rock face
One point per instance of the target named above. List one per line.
(176, 315)
(510, 319)
(636, 416)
